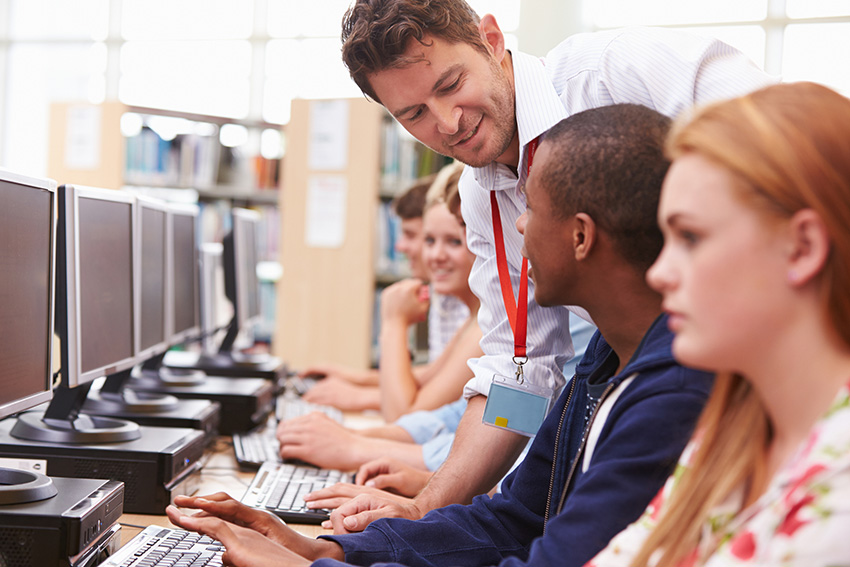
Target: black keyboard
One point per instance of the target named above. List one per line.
(156, 546)
(280, 488)
(256, 447)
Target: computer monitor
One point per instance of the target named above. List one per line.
(216, 310)
(240, 273)
(27, 241)
(152, 301)
(94, 313)
(152, 278)
(185, 309)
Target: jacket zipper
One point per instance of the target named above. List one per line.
(555, 454)
(582, 445)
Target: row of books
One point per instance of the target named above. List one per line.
(389, 263)
(195, 160)
(404, 159)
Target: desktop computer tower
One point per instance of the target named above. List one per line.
(154, 468)
(73, 528)
(204, 415)
(245, 403)
(231, 364)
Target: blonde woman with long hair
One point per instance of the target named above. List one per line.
(755, 273)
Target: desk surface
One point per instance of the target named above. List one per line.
(221, 473)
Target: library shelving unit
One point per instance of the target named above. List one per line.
(173, 155)
(328, 295)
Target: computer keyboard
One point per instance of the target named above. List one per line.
(256, 447)
(289, 407)
(280, 488)
(156, 546)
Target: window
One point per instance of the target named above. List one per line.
(795, 39)
(233, 58)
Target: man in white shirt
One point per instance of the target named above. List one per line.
(448, 79)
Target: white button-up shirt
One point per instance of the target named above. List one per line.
(668, 70)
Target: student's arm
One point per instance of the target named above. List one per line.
(401, 306)
(344, 395)
(451, 369)
(317, 439)
(361, 377)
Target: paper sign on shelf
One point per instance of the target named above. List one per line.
(325, 215)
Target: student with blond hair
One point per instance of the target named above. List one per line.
(755, 273)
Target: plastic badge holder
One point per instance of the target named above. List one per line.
(520, 408)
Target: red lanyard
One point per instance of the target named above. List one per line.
(517, 312)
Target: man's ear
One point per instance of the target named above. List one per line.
(584, 236)
(492, 35)
(809, 246)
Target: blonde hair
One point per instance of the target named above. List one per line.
(444, 189)
(790, 145)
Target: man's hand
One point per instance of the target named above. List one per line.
(393, 475)
(317, 439)
(220, 516)
(359, 512)
(344, 395)
(406, 301)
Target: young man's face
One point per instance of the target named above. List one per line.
(546, 241)
(409, 243)
(455, 100)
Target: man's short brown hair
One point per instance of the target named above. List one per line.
(375, 33)
(411, 203)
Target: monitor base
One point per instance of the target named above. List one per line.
(84, 429)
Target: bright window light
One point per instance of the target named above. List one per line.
(205, 77)
(186, 19)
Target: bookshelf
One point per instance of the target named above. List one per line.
(176, 156)
(114, 145)
(328, 307)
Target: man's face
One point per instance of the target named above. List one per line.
(546, 240)
(456, 100)
(409, 243)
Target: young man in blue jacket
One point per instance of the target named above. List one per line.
(615, 432)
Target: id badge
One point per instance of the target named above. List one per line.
(517, 407)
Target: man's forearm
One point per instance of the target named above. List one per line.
(480, 456)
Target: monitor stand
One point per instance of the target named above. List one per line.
(62, 422)
(114, 396)
(18, 487)
(154, 369)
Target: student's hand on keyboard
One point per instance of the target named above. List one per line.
(338, 494)
(344, 395)
(393, 475)
(362, 510)
(251, 536)
(319, 440)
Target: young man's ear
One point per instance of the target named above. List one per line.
(492, 35)
(809, 246)
(584, 235)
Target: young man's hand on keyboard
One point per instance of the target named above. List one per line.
(250, 536)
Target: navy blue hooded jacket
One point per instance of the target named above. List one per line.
(639, 445)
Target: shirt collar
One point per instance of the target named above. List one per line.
(538, 108)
